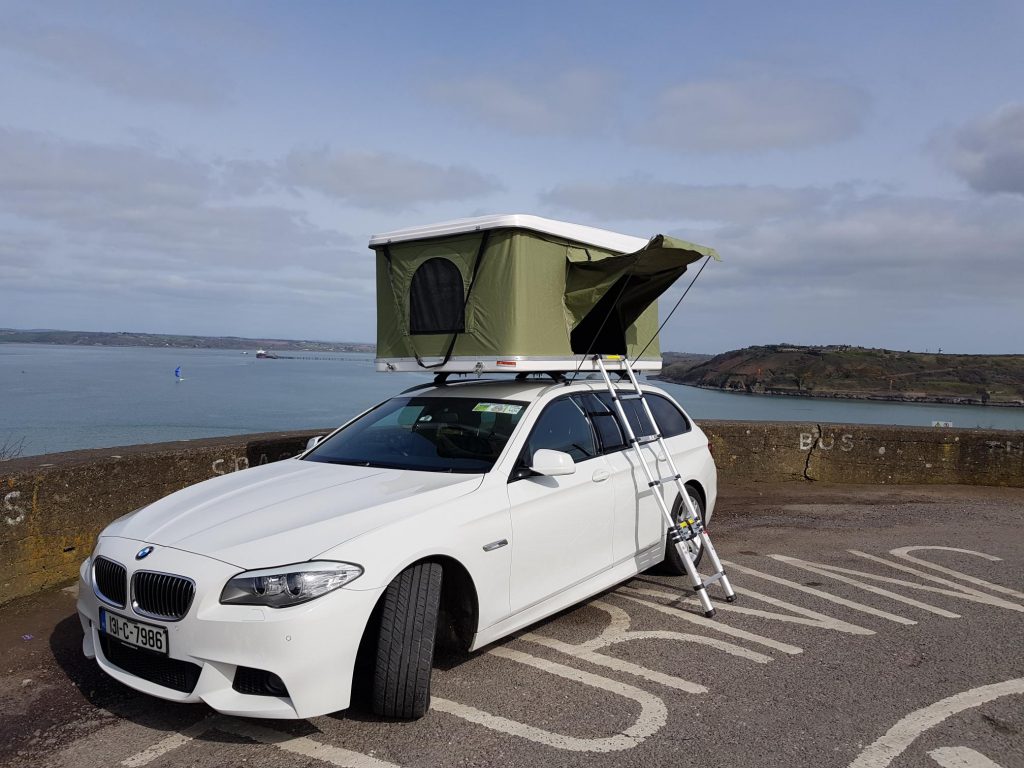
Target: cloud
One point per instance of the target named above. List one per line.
(156, 239)
(145, 74)
(641, 199)
(94, 231)
(878, 270)
(988, 153)
(382, 180)
(753, 113)
(567, 102)
(835, 265)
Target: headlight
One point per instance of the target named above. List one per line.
(288, 584)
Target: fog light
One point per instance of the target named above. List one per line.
(275, 685)
(259, 682)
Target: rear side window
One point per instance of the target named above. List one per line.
(563, 427)
(670, 419)
(634, 411)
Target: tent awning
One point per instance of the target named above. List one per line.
(609, 295)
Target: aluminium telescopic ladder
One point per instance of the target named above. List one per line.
(690, 527)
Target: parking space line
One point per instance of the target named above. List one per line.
(953, 589)
(652, 718)
(175, 740)
(895, 741)
(304, 746)
(717, 626)
(820, 593)
(618, 632)
(980, 596)
(904, 552)
(834, 572)
(961, 757)
(805, 616)
(299, 745)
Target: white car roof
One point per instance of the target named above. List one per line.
(602, 238)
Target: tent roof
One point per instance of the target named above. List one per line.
(601, 238)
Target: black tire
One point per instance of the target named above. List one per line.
(673, 563)
(405, 643)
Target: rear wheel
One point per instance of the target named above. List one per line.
(673, 564)
(405, 643)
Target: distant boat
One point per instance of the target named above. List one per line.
(262, 354)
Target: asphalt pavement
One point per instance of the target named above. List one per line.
(876, 626)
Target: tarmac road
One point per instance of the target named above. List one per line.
(865, 658)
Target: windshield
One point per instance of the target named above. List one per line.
(431, 434)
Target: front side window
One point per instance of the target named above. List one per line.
(563, 426)
(606, 423)
(430, 434)
(437, 298)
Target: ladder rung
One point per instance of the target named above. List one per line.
(645, 439)
(713, 578)
(637, 396)
(660, 480)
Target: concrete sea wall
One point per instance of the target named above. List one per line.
(52, 507)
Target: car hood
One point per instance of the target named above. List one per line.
(287, 512)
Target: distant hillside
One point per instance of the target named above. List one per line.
(683, 361)
(124, 339)
(860, 373)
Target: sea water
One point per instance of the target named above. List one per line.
(61, 398)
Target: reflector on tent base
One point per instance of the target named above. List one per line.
(520, 293)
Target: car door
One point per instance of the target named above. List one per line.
(561, 526)
(639, 523)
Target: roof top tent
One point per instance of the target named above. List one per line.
(517, 293)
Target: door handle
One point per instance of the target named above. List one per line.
(600, 475)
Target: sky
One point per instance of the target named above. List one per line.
(217, 168)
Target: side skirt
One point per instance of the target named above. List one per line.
(577, 593)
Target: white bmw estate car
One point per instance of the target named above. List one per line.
(454, 513)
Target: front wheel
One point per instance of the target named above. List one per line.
(405, 643)
(673, 564)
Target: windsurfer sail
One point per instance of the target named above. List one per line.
(177, 373)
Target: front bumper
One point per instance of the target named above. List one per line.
(310, 647)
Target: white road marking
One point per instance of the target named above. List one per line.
(961, 757)
(618, 632)
(958, 590)
(904, 552)
(834, 572)
(805, 617)
(820, 593)
(169, 743)
(304, 746)
(882, 752)
(299, 745)
(717, 626)
(652, 718)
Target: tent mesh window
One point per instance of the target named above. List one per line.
(437, 298)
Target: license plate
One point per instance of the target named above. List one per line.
(147, 636)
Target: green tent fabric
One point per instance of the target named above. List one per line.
(528, 294)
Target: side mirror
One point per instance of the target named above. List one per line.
(552, 463)
(313, 442)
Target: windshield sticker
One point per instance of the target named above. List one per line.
(497, 408)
